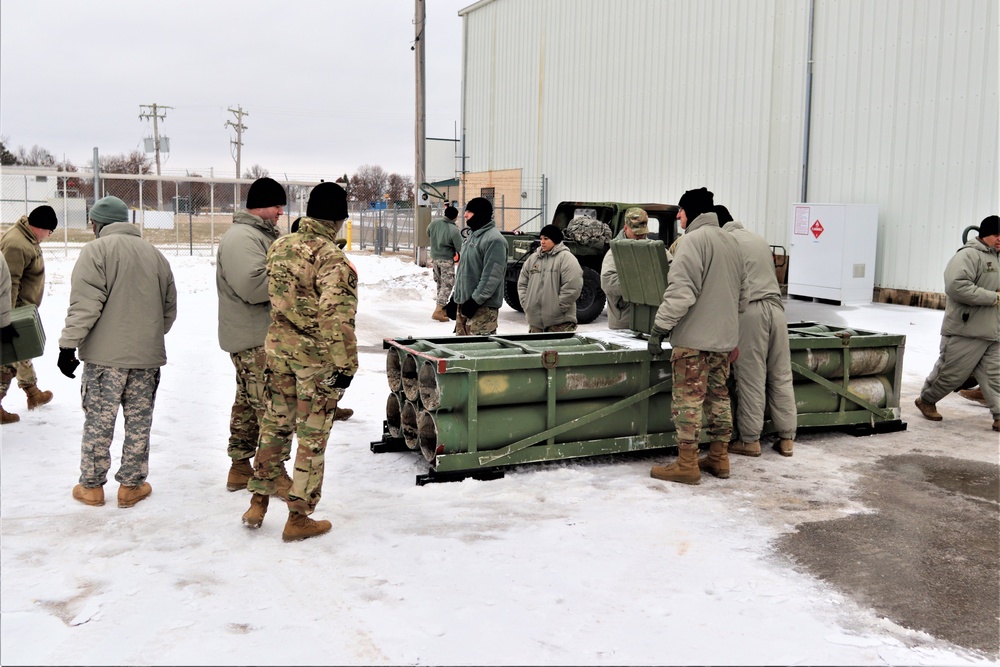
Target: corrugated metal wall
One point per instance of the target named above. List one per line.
(639, 100)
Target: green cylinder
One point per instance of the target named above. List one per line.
(394, 414)
(450, 391)
(811, 397)
(829, 363)
(448, 432)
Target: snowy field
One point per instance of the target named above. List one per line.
(585, 562)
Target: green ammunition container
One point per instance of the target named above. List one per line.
(30, 339)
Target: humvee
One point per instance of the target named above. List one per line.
(662, 225)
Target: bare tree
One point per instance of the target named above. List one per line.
(255, 172)
(36, 157)
(369, 183)
(6, 157)
(400, 188)
(135, 162)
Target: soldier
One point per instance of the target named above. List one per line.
(764, 369)
(312, 358)
(619, 310)
(706, 291)
(7, 330)
(446, 241)
(21, 247)
(549, 284)
(122, 303)
(479, 280)
(244, 315)
(970, 332)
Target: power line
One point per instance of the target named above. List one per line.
(155, 115)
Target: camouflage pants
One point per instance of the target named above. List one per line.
(103, 389)
(444, 276)
(483, 323)
(23, 370)
(565, 326)
(700, 393)
(248, 407)
(300, 404)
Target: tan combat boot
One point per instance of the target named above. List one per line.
(717, 461)
(440, 315)
(928, 410)
(343, 414)
(128, 496)
(36, 397)
(284, 484)
(240, 473)
(8, 417)
(996, 424)
(745, 448)
(254, 516)
(973, 395)
(301, 527)
(88, 496)
(684, 469)
(784, 446)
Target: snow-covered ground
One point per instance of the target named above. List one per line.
(584, 562)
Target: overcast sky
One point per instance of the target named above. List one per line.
(329, 85)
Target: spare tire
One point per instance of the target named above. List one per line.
(591, 302)
(511, 296)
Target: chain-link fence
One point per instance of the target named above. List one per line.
(187, 215)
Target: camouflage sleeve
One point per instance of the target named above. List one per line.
(291, 277)
(337, 285)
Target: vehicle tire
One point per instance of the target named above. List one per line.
(511, 296)
(592, 299)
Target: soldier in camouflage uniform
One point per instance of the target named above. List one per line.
(706, 291)
(620, 311)
(479, 280)
(446, 241)
(21, 247)
(312, 357)
(244, 315)
(122, 303)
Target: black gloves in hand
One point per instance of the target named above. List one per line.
(451, 310)
(67, 361)
(341, 380)
(8, 333)
(469, 308)
(656, 338)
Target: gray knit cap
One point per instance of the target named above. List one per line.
(109, 209)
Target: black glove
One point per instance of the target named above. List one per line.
(67, 361)
(451, 310)
(8, 333)
(656, 338)
(469, 308)
(339, 380)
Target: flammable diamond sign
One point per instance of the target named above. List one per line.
(816, 229)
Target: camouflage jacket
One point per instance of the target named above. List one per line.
(27, 267)
(314, 299)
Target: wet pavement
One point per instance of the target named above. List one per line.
(927, 557)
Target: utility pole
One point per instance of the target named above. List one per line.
(421, 211)
(155, 115)
(238, 143)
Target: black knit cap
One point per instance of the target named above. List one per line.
(451, 213)
(990, 226)
(266, 192)
(481, 210)
(723, 214)
(43, 217)
(552, 233)
(696, 202)
(327, 201)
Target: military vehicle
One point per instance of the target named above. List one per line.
(662, 225)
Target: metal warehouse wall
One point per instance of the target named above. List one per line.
(639, 100)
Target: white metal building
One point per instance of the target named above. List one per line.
(640, 100)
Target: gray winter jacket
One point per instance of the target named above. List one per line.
(4, 292)
(241, 281)
(481, 267)
(445, 238)
(706, 289)
(972, 282)
(549, 285)
(762, 283)
(122, 301)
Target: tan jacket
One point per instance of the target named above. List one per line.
(549, 285)
(241, 281)
(706, 289)
(27, 266)
(122, 301)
